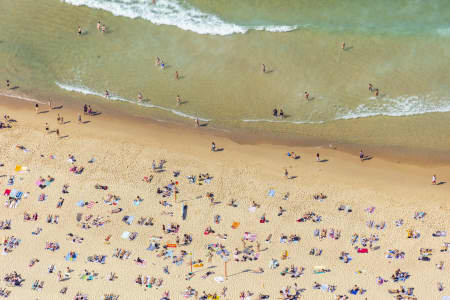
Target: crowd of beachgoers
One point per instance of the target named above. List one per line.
(72, 225)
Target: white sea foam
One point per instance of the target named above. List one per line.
(22, 98)
(396, 107)
(280, 121)
(445, 31)
(386, 106)
(172, 12)
(79, 88)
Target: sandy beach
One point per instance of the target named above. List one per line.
(379, 201)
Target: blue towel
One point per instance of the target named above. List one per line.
(19, 195)
(271, 193)
(80, 203)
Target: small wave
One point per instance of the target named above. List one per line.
(78, 88)
(444, 31)
(280, 121)
(171, 12)
(21, 98)
(397, 107)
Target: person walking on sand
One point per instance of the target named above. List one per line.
(306, 95)
(361, 155)
(7, 83)
(57, 132)
(433, 180)
(50, 104)
(263, 68)
(106, 94)
(58, 119)
(317, 156)
(79, 118)
(36, 108)
(197, 123)
(286, 174)
(85, 109)
(213, 147)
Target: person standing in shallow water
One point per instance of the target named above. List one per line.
(79, 30)
(263, 68)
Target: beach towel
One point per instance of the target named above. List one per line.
(271, 193)
(90, 204)
(252, 209)
(13, 193)
(70, 258)
(363, 250)
(79, 215)
(7, 192)
(235, 225)
(18, 168)
(136, 202)
(19, 195)
(80, 203)
(219, 279)
(151, 247)
(125, 235)
(129, 220)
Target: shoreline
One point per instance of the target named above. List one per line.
(250, 136)
(110, 123)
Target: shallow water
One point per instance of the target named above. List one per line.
(218, 48)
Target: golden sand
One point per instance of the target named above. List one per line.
(124, 149)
